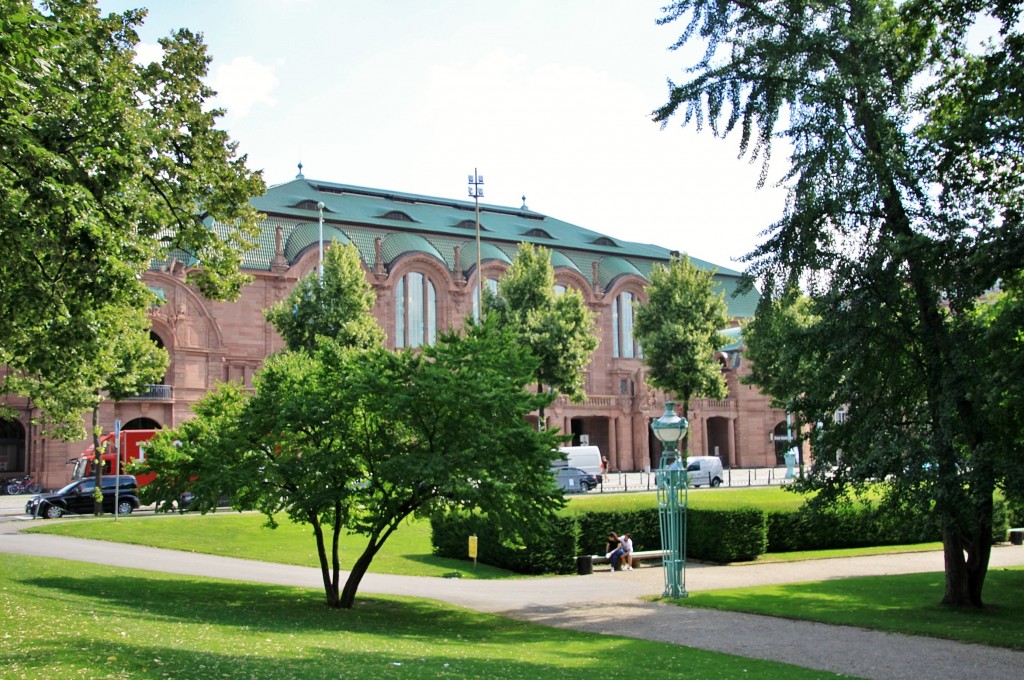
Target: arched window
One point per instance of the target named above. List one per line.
(141, 424)
(624, 345)
(559, 289)
(415, 311)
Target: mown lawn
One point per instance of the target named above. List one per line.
(74, 620)
(234, 534)
(906, 603)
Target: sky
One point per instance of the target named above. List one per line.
(547, 99)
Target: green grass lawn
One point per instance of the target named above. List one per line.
(907, 603)
(74, 620)
(407, 552)
(232, 534)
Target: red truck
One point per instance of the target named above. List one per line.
(132, 448)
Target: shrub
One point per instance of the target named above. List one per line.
(726, 535)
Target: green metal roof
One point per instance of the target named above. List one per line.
(306, 234)
(560, 260)
(489, 251)
(399, 243)
(436, 226)
(734, 339)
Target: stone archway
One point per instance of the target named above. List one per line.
(718, 440)
(12, 446)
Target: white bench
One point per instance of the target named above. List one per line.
(638, 556)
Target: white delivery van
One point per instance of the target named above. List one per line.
(704, 470)
(586, 458)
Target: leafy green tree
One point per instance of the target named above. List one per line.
(336, 307)
(1002, 345)
(905, 207)
(557, 328)
(105, 167)
(679, 329)
(360, 440)
(122, 361)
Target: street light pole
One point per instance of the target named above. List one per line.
(320, 260)
(476, 191)
(673, 490)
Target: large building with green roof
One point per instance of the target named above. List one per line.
(420, 257)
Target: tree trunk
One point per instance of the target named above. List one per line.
(684, 445)
(355, 577)
(540, 413)
(330, 586)
(967, 558)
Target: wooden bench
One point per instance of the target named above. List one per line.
(638, 556)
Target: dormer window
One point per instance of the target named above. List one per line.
(306, 205)
(397, 216)
(538, 233)
(604, 241)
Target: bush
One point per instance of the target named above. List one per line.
(848, 525)
(712, 534)
(738, 535)
(544, 554)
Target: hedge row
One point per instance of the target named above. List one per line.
(713, 535)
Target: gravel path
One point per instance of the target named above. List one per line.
(609, 603)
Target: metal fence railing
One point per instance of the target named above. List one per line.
(618, 482)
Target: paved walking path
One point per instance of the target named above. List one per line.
(609, 603)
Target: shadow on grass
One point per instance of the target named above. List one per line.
(130, 625)
(906, 603)
(482, 572)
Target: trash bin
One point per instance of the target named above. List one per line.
(1017, 536)
(585, 565)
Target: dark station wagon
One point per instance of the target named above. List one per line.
(77, 498)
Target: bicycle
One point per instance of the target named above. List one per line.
(20, 485)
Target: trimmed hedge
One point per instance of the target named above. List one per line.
(738, 535)
(713, 534)
(539, 555)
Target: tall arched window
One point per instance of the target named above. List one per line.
(415, 311)
(624, 345)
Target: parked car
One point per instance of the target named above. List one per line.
(574, 480)
(704, 470)
(77, 498)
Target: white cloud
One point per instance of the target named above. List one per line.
(243, 83)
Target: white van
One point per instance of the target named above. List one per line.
(704, 471)
(586, 458)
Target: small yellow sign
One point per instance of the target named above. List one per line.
(472, 547)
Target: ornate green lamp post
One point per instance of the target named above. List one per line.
(672, 497)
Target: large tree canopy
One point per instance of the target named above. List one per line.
(907, 185)
(556, 327)
(359, 440)
(679, 330)
(105, 166)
